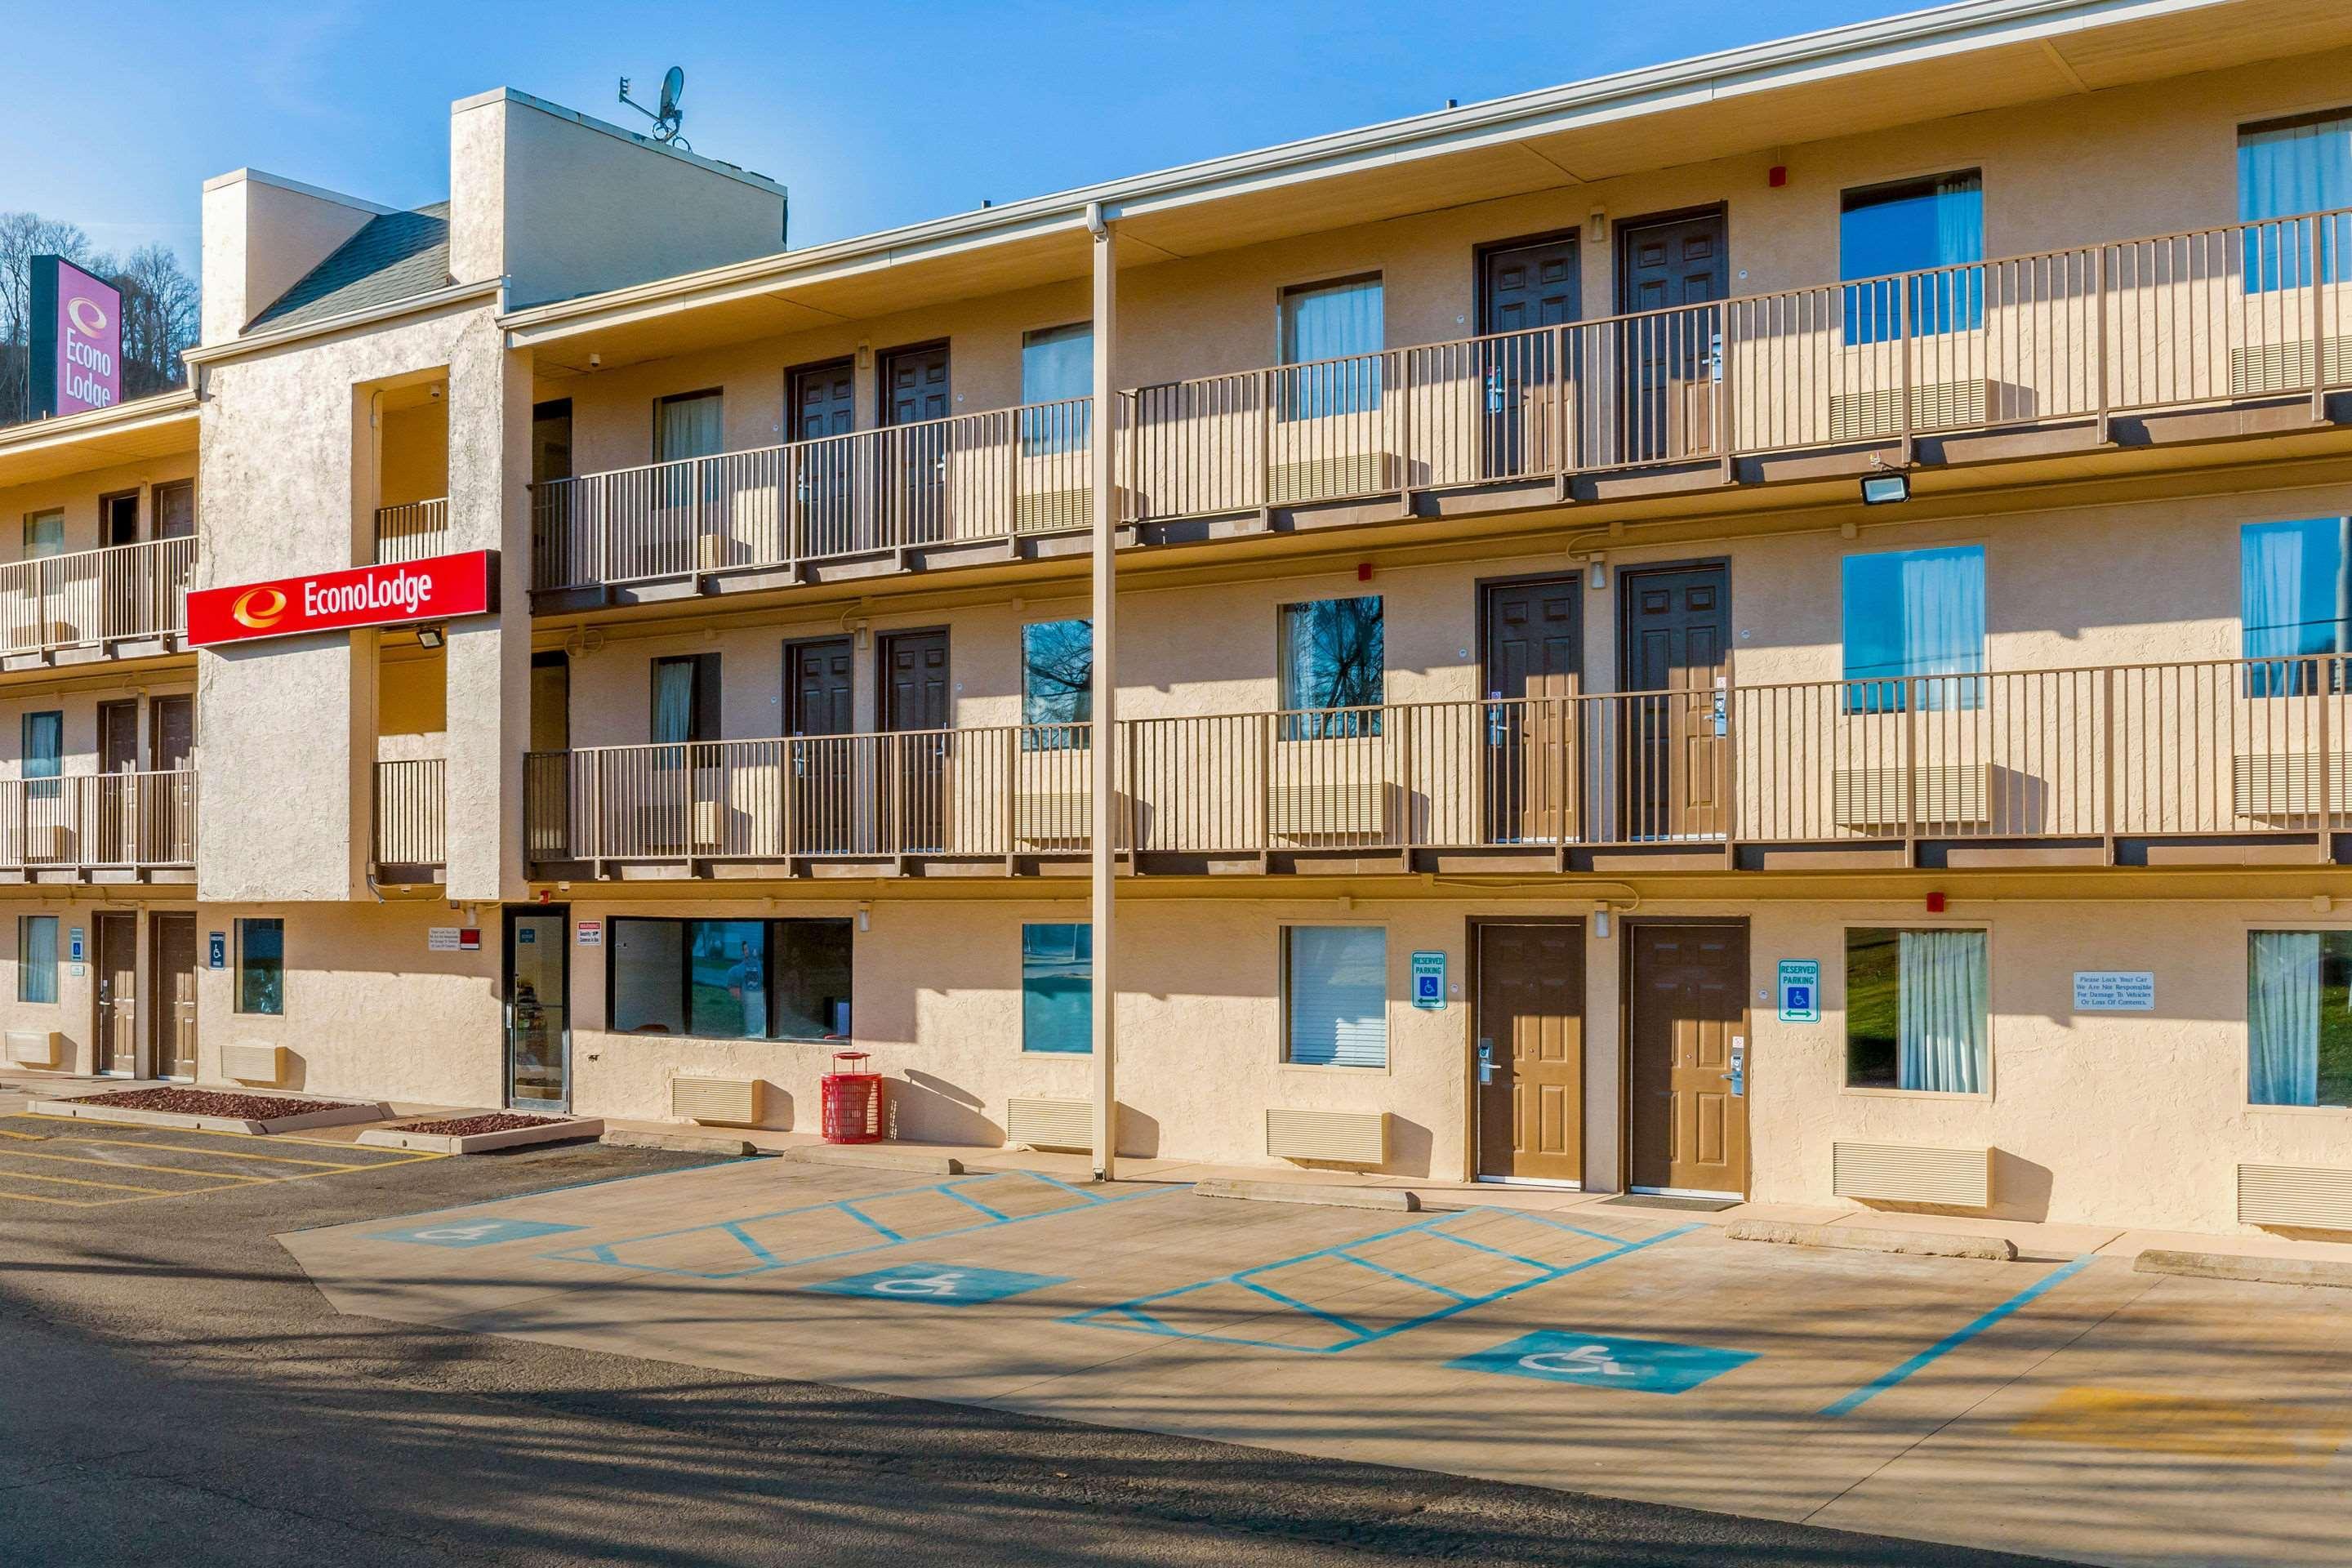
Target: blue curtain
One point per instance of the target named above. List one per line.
(2282, 1017)
(2295, 599)
(2282, 172)
(1915, 613)
(1921, 227)
(37, 958)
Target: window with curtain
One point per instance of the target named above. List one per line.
(1332, 655)
(1335, 321)
(1058, 676)
(45, 534)
(1057, 988)
(2287, 168)
(2294, 601)
(730, 980)
(1917, 1011)
(2299, 1017)
(37, 958)
(1931, 228)
(261, 966)
(42, 737)
(1915, 629)
(687, 426)
(685, 698)
(1057, 363)
(1335, 995)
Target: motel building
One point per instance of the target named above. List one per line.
(1774, 625)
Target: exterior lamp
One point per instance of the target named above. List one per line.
(430, 636)
(1885, 489)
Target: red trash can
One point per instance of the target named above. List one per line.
(852, 1101)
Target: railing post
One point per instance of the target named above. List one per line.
(1405, 430)
(1265, 441)
(2330, 672)
(1903, 360)
(1563, 461)
(2112, 729)
(2099, 337)
(1909, 686)
(1727, 770)
(1405, 778)
(1723, 424)
(2318, 316)
(1266, 731)
(1133, 814)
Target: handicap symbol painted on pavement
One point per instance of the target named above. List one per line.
(952, 1284)
(486, 1232)
(1606, 1360)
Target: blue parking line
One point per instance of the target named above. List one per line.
(1271, 1294)
(862, 1218)
(974, 1202)
(739, 1234)
(1414, 1280)
(1953, 1340)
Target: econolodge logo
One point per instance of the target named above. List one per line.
(86, 315)
(259, 608)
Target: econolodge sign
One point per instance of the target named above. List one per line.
(439, 588)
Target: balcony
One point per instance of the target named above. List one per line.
(411, 531)
(411, 820)
(2219, 333)
(2236, 763)
(99, 827)
(94, 603)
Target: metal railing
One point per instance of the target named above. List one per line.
(2223, 748)
(99, 821)
(411, 531)
(412, 811)
(93, 598)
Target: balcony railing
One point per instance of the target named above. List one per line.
(411, 531)
(411, 811)
(2246, 311)
(2241, 749)
(99, 822)
(93, 598)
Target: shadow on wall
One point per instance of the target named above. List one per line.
(926, 1108)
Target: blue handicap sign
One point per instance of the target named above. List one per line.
(482, 1232)
(1606, 1360)
(949, 1284)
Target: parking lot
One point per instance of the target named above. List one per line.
(54, 1163)
(2069, 1407)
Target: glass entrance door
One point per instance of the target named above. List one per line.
(538, 989)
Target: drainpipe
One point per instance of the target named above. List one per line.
(1103, 758)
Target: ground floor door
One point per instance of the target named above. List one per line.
(1686, 1039)
(172, 973)
(1528, 1069)
(117, 1030)
(537, 1014)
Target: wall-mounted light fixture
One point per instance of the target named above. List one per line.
(431, 636)
(1597, 572)
(865, 917)
(1885, 489)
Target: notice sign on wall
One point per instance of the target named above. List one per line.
(1429, 979)
(592, 933)
(2114, 991)
(1800, 991)
(453, 939)
(216, 950)
(77, 333)
(439, 588)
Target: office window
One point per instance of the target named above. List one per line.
(685, 698)
(1334, 331)
(1915, 627)
(1332, 653)
(687, 426)
(1916, 1010)
(1335, 995)
(45, 534)
(37, 958)
(1932, 227)
(2287, 168)
(730, 980)
(261, 966)
(42, 737)
(1057, 676)
(1057, 364)
(2299, 1017)
(2295, 601)
(1057, 989)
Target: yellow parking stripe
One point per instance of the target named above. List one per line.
(225, 1154)
(135, 1166)
(64, 1203)
(75, 1149)
(79, 1181)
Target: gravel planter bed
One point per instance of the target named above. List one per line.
(212, 1109)
(476, 1134)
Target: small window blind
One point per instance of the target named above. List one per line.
(1335, 984)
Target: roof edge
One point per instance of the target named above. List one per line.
(725, 170)
(263, 177)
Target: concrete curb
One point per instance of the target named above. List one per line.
(869, 1158)
(2259, 1270)
(341, 1116)
(478, 1142)
(1910, 1243)
(1396, 1200)
(680, 1142)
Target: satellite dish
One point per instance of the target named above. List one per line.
(670, 117)
(672, 84)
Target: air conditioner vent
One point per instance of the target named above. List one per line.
(1335, 1137)
(723, 1101)
(1912, 1173)
(1035, 1123)
(2315, 1198)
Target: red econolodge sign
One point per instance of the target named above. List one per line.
(437, 589)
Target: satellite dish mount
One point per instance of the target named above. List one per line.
(669, 116)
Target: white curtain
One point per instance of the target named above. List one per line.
(688, 428)
(1943, 1030)
(37, 961)
(1336, 990)
(2282, 1017)
(1330, 321)
(1944, 624)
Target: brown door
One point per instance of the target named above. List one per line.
(173, 973)
(1687, 1116)
(172, 746)
(818, 717)
(118, 784)
(915, 690)
(1676, 672)
(1677, 265)
(1522, 289)
(174, 503)
(821, 400)
(1530, 1068)
(167, 807)
(915, 392)
(1534, 668)
(118, 992)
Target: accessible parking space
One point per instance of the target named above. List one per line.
(53, 1163)
(2071, 1408)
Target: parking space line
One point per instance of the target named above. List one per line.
(213, 1153)
(135, 1166)
(1408, 1279)
(78, 1181)
(974, 1202)
(1953, 1340)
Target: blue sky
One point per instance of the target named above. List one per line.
(874, 113)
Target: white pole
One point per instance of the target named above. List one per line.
(1103, 759)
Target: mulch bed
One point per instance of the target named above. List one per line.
(492, 1122)
(210, 1102)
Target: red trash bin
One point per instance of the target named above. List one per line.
(851, 1099)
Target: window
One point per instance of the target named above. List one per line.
(2287, 168)
(687, 426)
(2299, 1017)
(37, 958)
(45, 534)
(1057, 989)
(551, 440)
(1335, 992)
(1057, 366)
(1057, 676)
(1332, 656)
(1323, 325)
(686, 698)
(1916, 1013)
(2294, 600)
(261, 966)
(43, 738)
(1915, 629)
(730, 980)
(1933, 228)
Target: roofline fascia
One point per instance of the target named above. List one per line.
(278, 337)
(157, 408)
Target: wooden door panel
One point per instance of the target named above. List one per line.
(916, 388)
(1676, 628)
(1669, 361)
(173, 972)
(1534, 662)
(1530, 1029)
(1686, 1129)
(1521, 290)
(818, 686)
(917, 694)
(117, 939)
